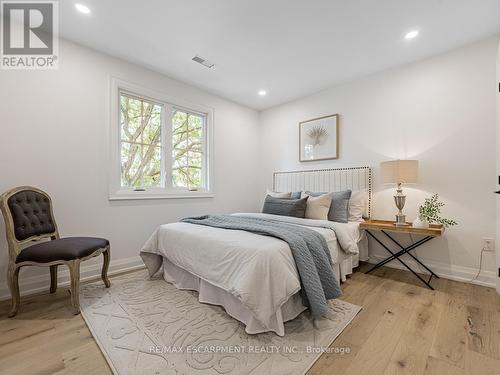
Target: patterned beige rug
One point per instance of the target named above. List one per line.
(150, 327)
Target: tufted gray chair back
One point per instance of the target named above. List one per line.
(31, 214)
(28, 216)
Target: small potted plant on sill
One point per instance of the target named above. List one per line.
(429, 213)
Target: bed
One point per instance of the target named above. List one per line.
(254, 277)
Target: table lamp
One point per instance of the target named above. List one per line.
(399, 172)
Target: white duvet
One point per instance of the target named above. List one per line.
(258, 270)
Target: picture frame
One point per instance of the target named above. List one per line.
(319, 138)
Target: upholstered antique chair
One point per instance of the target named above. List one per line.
(28, 217)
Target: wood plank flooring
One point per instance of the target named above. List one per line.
(404, 328)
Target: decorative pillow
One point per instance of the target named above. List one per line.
(358, 205)
(318, 206)
(295, 195)
(285, 207)
(275, 194)
(339, 208)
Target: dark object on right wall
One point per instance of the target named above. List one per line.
(28, 217)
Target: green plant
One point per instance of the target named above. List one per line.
(430, 211)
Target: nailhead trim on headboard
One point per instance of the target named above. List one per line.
(318, 174)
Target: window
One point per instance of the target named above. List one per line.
(163, 148)
(187, 149)
(141, 127)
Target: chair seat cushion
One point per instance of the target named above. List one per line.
(69, 248)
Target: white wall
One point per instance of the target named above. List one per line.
(440, 111)
(54, 136)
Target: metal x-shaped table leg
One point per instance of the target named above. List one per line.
(397, 255)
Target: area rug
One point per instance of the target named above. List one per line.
(148, 327)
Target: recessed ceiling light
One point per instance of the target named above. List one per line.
(82, 8)
(262, 93)
(412, 34)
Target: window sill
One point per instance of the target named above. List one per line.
(142, 195)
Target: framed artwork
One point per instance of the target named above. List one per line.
(319, 138)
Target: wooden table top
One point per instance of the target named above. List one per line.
(434, 230)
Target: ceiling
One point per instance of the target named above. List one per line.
(290, 48)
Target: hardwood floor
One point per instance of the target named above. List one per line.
(404, 328)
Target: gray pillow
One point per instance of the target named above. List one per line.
(285, 207)
(339, 209)
(295, 195)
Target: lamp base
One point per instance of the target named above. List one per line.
(401, 221)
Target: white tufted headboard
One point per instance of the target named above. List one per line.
(334, 179)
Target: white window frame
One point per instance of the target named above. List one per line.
(116, 191)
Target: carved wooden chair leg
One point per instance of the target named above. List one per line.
(53, 279)
(74, 272)
(13, 281)
(105, 265)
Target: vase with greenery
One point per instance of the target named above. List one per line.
(430, 212)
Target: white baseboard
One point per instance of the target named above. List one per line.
(447, 271)
(90, 271)
(40, 283)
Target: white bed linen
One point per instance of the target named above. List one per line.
(208, 293)
(347, 234)
(245, 264)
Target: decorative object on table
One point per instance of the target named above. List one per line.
(383, 226)
(419, 223)
(429, 213)
(33, 240)
(400, 172)
(319, 138)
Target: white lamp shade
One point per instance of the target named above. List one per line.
(399, 171)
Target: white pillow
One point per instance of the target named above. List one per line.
(318, 207)
(275, 194)
(358, 205)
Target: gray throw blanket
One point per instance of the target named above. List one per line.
(309, 249)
